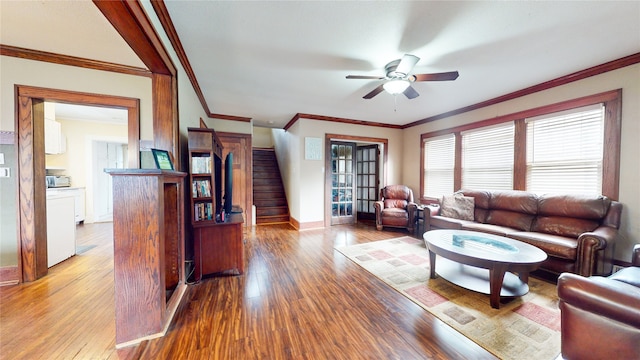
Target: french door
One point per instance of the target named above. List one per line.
(342, 182)
(367, 180)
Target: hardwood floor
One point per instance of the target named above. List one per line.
(298, 299)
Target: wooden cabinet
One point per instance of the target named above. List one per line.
(148, 234)
(219, 248)
(217, 243)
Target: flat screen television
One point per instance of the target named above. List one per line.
(228, 183)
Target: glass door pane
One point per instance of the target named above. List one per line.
(342, 182)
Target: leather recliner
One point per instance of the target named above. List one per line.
(600, 316)
(396, 208)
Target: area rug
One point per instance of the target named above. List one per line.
(527, 327)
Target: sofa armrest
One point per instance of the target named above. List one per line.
(589, 244)
(429, 211)
(612, 299)
(379, 206)
(412, 210)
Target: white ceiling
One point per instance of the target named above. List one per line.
(269, 60)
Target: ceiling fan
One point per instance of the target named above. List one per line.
(398, 80)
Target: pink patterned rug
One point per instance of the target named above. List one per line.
(527, 327)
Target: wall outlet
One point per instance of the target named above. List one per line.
(5, 172)
(1, 159)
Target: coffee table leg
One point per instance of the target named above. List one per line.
(432, 264)
(496, 277)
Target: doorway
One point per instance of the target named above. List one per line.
(32, 261)
(106, 155)
(355, 168)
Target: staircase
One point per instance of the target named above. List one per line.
(268, 192)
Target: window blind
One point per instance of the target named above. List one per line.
(564, 151)
(439, 162)
(487, 157)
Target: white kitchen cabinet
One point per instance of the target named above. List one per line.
(61, 227)
(54, 141)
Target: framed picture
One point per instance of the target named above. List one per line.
(163, 159)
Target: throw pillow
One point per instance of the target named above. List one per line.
(458, 206)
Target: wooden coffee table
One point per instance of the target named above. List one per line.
(482, 262)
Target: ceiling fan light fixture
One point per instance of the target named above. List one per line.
(396, 86)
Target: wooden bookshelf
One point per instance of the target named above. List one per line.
(217, 244)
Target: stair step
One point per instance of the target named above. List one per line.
(272, 220)
(269, 202)
(272, 211)
(268, 191)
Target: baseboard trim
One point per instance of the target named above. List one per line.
(9, 275)
(305, 226)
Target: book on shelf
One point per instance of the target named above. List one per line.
(201, 164)
(201, 188)
(203, 211)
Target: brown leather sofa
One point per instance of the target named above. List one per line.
(577, 232)
(396, 208)
(600, 316)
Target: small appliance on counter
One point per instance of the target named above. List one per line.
(56, 181)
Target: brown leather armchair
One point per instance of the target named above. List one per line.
(601, 315)
(396, 208)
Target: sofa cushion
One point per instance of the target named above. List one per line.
(442, 222)
(574, 206)
(395, 203)
(630, 275)
(554, 245)
(563, 226)
(395, 217)
(457, 206)
(481, 203)
(488, 228)
(512, 219)
(514, 200)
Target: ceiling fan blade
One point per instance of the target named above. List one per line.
(364, 77)
(411, 93)
(445, 76)
(407, 63)
(374, 92)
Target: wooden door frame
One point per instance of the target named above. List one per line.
(248, 160)
(327, 165)
(31, 197)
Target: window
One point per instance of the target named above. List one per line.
(568, 147)
(487, 157)
(439, 161)
(564, 151)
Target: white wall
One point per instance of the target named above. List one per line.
(627, 79)
(304, 179)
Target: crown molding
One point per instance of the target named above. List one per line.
(563, 80)
(37, 55)
(338, 120)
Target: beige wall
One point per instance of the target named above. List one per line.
(16, 71)
(304, 179)
(262, 137)
(78, 159)
(627, 79)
